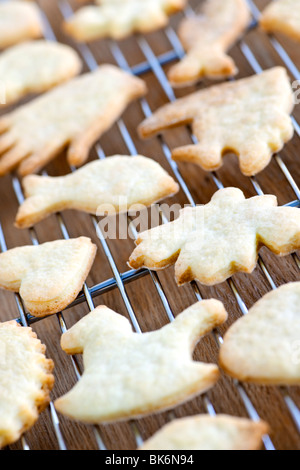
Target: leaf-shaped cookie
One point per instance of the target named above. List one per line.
(74, 115)
(25, 380)
(47, 276)
(207, 37)
(282, 16)
(211, 242)
(19, 21)
(204, 432)
(116, 184)
(129, 374)
(263, 346)
(23, 68)
(120, 18)
(249, 117)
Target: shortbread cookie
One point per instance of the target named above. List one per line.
(130, 374)
(212, 242)
(19, 21)
(115, 184)
(35, 67)
(206, 38)
(88, 105)
(263, 346)
(25, 380)
(47, 276)
(282, 16)
(120, 18)
(249, 117)
(204, 432)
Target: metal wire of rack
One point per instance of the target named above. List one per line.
(154, 64)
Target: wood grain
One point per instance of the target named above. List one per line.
(142, 293)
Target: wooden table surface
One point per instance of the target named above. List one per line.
(142, 293)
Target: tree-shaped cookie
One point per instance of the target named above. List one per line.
(206, 38)
(115, 184)
(211, 242)
(263, 346)
(128, 374)
(19, 21)
(24, 70)
(73, 115)
(249, 117)
(49, 276)
(25, 380)
(120, 18)
(204, 432)
(282, 16)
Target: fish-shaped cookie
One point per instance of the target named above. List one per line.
(115, 184)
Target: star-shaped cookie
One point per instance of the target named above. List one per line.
(120, 18)
(110, 186)
(128, 374)
(35, 133)
(19, 21)
(24, 70)
(49, 276)
(25, 380)
(206, 38)
(249, 117)
(204, 432)
(212, 242)
(263, 346)
(282, 16)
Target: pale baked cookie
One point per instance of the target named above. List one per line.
(129, 374)
(115, 184)
(19, 21)
(73, 115)
(206, 38)
(282, 16)
(25, 380)
(49, 276)
(263, 346)
(204, 432)
(121, 18)
(249, 117)
(212, 242)
(35, 67)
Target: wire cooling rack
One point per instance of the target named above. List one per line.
(154, 64)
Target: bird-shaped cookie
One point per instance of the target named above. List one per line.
(128, 374)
